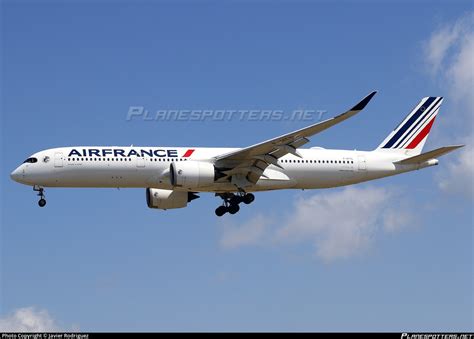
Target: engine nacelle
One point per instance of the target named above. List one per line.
(168, 199)
(192, 174)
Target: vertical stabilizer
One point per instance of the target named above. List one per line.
(411, 134)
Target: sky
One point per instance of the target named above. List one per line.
(389, 255)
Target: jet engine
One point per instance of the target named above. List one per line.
(168, 199)
(192, 174)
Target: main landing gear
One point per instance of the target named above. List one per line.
(40, 190)
(232, 201)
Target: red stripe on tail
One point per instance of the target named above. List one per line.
(424, 132)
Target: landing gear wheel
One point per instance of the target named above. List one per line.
(235, 200)
(40, 190)
(221, 210)
(233, 209)
(232, 201)
(248, 198)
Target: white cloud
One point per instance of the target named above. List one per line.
(340, 224)
(440, 43)
(450, 55)
(28, 319)
(395, 220)
(250, 233)
(458, 176)
(460, 72)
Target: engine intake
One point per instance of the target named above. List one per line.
(192, 174)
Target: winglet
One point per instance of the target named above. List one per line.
(361, 105)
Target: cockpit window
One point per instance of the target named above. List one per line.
(31, 160)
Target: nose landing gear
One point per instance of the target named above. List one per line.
(232, 201)
(40, 190)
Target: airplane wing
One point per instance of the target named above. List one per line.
(246, 165)
(418, 159)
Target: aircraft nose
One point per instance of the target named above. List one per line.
(16, 175)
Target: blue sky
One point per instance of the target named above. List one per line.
(100, 260)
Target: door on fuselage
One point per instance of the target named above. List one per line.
(140, 162)
(362, 163)
(58, 159)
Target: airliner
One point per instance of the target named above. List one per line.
(173, 176)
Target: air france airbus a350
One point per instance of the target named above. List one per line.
(172, 176)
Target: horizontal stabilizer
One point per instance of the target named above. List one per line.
(418, 159)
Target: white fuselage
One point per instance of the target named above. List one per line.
(89, 166)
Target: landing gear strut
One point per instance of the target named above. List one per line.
(232, 201)
(40, 190)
